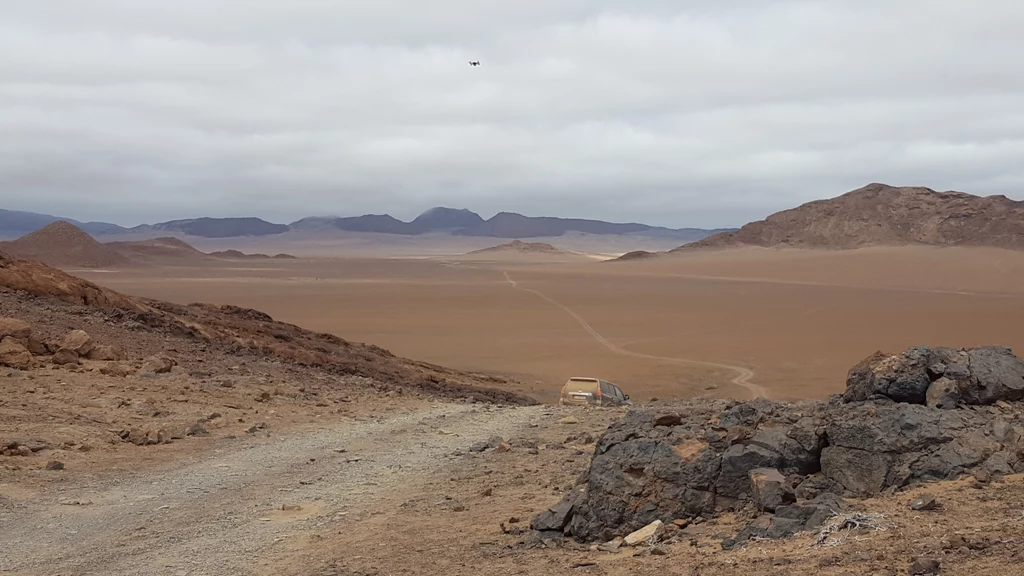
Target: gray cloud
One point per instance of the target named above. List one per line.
(697, 113)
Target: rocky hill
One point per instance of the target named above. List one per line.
(43, 294)
(882, 215)
(520, 246)
(163, 250)
(64, 245)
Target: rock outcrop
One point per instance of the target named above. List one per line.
(794, 460)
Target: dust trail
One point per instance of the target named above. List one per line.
(743, 375)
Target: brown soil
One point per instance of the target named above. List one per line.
(881, 215)
(64, 245)
(798, 319)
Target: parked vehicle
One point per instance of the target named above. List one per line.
(592, 391)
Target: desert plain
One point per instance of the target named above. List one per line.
(784, 323)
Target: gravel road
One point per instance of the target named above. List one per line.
(223, 514)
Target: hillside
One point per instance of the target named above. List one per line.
(63, 245)
(882, 215)
(163, 250)
(228, 330)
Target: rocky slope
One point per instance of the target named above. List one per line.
(882, 215)
(235, 331)
(924, 415)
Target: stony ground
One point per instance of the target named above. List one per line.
(404, 493)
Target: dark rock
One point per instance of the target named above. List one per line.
(858, 471)
(667, 419)
(769, 489)
(54, 465)
(737, 462)
(925, 566)
(196, 429)
(998, 375)
(489, 444)
(558, 516)
(65, 356)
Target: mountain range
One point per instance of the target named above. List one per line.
(460, 222)
(883, 215)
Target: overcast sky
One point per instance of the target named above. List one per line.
(671, 112)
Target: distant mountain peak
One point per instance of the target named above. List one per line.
(883, 215)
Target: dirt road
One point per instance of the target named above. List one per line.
(222, 514)
(743, 375)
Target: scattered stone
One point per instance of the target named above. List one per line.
(54, 465)
(24, 451)
(490, 443)
(514, 520)
(256, 428)
(924, 567)
(158, 364)
(196, 429)
(659, 551)
(924, 502)
(487, 493)
(533, 451)
(502, 448)
(14, 355)
(64, 357)
(290, 507)
(78, 341)
(643, 534)
(611, 546)
(667, 419)
(569, 420)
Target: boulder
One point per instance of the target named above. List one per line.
(939, 377)
(104, 352)
(158, 364)
(65, 356)
(667, 419)
(78, 341)
(737, 463)
(118, 370)
(16, 329)
(36, 346)
(769, 489)
(996, 375)
(14, 355)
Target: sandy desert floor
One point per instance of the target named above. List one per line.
(782, 323)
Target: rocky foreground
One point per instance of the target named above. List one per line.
(925, 415)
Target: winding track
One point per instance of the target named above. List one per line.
(743, 375)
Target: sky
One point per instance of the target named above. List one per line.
(669, 112)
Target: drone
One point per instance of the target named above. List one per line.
(474, 62)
